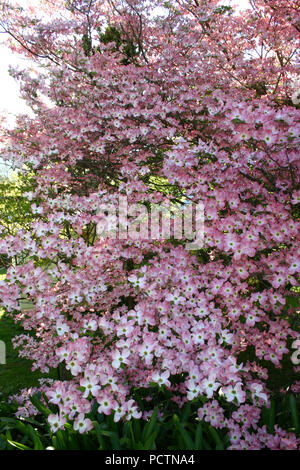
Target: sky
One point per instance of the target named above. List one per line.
(10, 101)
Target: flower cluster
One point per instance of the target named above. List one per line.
(181, 116)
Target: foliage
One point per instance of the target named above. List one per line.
(177, 431)
(15, 209)
(16, 374)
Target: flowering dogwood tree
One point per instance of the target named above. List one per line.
(187, 102)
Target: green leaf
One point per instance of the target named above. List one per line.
(206, 445)
(8, 435)
(3, 444)
(59, 441)
(216, 438)
(186, 413)
(150, 443)
(188, 442)
(149, 428)
(116, 445)
(35, 400)
(54, 442)
(87, 443)
(18, 445)
(237, 121)
(292, 301)
(198, 437)
(99, 435)
(38, 445)
(137, 429)
(73, 442)
(295, 418)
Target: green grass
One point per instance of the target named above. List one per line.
(16, 374)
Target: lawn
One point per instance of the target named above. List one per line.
(16, 374)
